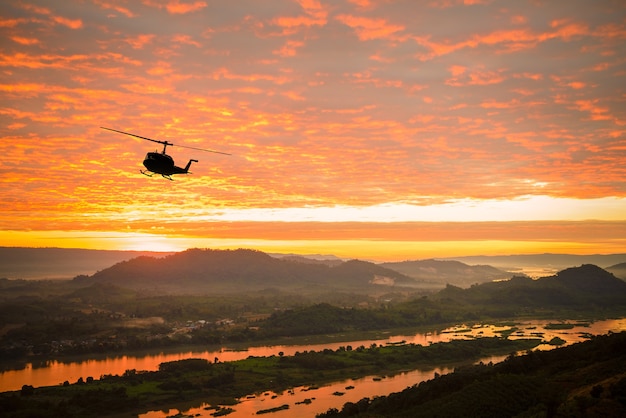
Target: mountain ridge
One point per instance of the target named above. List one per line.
(229, 270)
(556, 261)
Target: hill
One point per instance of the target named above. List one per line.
(216, 271)
(587, 379)
(442, 272)
(584, 286)
(619, 270)
(587, 289)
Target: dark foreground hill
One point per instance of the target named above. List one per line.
(195, 271)
(583, 380)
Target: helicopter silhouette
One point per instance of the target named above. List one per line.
(160, 162)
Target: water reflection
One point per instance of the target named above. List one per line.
(304, 402)
(307, 402)
(56, 372)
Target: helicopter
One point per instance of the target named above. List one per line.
(160, 162)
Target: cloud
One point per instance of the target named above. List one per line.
(358, 104)
(314, 15)
(177, 6)
(371, 28)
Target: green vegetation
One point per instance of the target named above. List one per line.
(221, 383)
(582, 380)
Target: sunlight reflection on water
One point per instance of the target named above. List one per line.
(335, 395)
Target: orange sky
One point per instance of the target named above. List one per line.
(361, 128)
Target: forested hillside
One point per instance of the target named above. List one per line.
(586, 288)
(198, 271)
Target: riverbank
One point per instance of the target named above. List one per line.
(199, 380)
(54, 372)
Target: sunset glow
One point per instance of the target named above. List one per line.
(383, 130)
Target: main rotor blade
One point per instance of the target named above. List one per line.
(199, 149)
(165, 142)
(137, 136)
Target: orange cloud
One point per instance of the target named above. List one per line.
(370, 28)
(140, 41)
(177, 6)
(289, 49)
(186, 40)
(106, 5)
(315, 15)
(25, 41)
(596, 112)
(70, 23)
(462, 77)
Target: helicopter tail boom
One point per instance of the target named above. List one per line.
(189, 165)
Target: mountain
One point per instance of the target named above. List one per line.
(587, 285)
(619, 270)
(539, 263)
(447, 272)
(54, 263)
(236, 270)
(328, 261)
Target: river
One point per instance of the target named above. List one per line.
(319, 400)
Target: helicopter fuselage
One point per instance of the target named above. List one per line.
(163, 164)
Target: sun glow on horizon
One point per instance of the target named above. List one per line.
(524, 208)
(366, 249)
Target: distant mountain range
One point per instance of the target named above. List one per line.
(618, 270)
(60, 263)
(445, 272)
(547, 261)
(228, 269)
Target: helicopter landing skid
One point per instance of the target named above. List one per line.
(150, 174)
